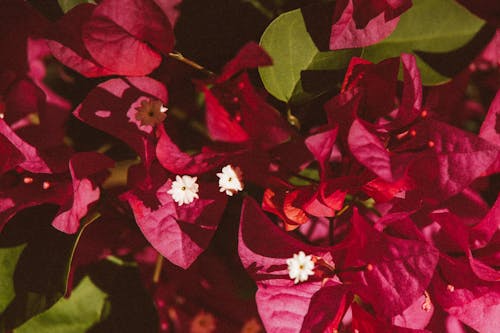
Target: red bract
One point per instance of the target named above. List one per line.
(333, 297)
(19, 22)
(247, 115)
(24, 189)
(172, 158)
(10, 156)
(400, 269)
(464, 296)
(450, 152)
(365, 10)
(369, 259)
(263, 249)
(357, 23)
(128, 37)
(490, 130)
(31, 160)
(322, 146)
(179, 232)
(235, 112)
(364, 322)
(129, 109)
(82, 167)
(66, 43)
(251, 55)
(401, 147)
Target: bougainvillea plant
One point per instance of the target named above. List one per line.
(250, 166)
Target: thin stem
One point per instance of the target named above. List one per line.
(294, 121)
(179, 57)
(158, 267)
(263, 10)
(343, 210)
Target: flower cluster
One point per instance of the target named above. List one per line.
(369, 204)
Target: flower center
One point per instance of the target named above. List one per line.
(151, 112)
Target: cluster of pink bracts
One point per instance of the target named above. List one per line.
(393, 236)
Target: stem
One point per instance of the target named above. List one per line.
(158, 267)
(343, 210)
(263, 10)
(179, 57)
(294, 121)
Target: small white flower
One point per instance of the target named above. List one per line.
(300, 267)
(184, 189)
(230, 180)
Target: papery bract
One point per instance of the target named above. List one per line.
(365, 322)
(128, 37)
(179, 233)
(10, 156)
(365, 10)
(66, 43)
(172, 158)
(457, 157)
(85, 192)
(401, 269)
(251, 55)
(283, 306)
(333, 297)
(32, 161)
(113, 107)
(252, 117)
(472, 301)
(19, 22)
(351, 30)
(322, 146)
(490, 130)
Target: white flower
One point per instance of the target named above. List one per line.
(230, 180)
(184, 189)
(300, 267)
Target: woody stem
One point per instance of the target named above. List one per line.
(179, 57)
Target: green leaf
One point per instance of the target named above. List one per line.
(86, 307)
(309, 176)
(293, 51)
(42, 271)
(8, 261)
(67, 5)
(436, 26)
